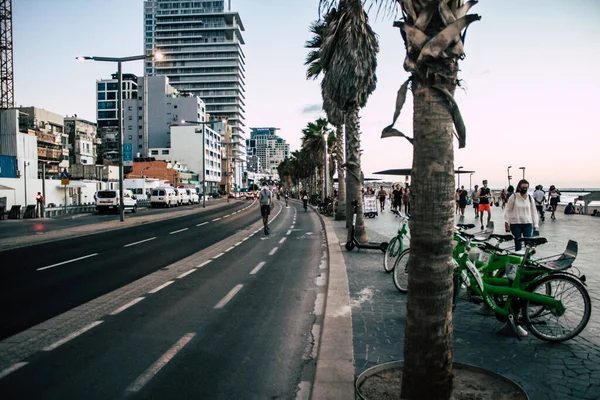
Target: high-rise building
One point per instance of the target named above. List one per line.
(82, 140)
(269, 149)
(201, 43)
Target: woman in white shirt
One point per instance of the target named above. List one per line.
(520, 215)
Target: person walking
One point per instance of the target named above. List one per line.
(553, 199)
(398, 199)
(382, 194)
(406, 199)
(265, 201)
(457, 200)
(540, 198)
(520, 216)
(305, 201)
(475, 201)
(485, 196)
(462, 201)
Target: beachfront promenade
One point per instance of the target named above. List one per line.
(569, 370)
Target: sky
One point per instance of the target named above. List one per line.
(529, 94)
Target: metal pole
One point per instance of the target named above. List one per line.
(326, 180)
(120, 141)
(25, 180)
(44, 189)
(203, 166)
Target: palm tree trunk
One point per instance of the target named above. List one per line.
(340, 213)
(428, 332)
(353, 181)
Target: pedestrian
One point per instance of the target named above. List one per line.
(520, 216)
(475, 201)
(266, 199)
(382, 194)
(398, 198)
(462, 202)
(553, 199)
(286, 198)
(503, 197)
(406, 199)
(485, 196)
(457, 200)
(305, 201)
(540, 198)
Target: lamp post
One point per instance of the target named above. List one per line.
(458, 173)
(120, 61)
(470, 178)
(508, 173)
(25, 164)
(326, 172)
(523, 168)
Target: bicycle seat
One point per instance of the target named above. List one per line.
(533, 241)
(504, 238)
(565, 260)
(466, 226)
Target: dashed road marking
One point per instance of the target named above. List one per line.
(237, 244)
(186, 273)
(143, 379)
(12, 368)
(180, 230)
(257, 268)
(229, 296)
(273, 251)
(71, 336)
(246, 238)
(164, 285)
(126, 306)
(217, 256)
(282, 240)
(204, 223)
(292, 227)
(216, 219)
(67, 262)
(288, 232)
(204, 263)
(227, 216)
(229, 249)
(141, 241)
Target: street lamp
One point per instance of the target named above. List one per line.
(202, 123)
(523, 168)
(326, 179)
(120, 61)
(508, 173)
(470, 178)
(458, 173)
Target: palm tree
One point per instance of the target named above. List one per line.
(431, 30)
(348, 56)
(313, 141)
(334, 114)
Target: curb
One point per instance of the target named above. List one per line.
(334, 378)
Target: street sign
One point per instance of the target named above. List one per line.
(64, 181)
(127, 154)
(64, 174)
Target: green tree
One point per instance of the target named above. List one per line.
(348, 56)
(313, 142)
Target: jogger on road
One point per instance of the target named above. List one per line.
(265, 201)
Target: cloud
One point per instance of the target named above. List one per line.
(311, 108)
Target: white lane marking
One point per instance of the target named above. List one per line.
(164, 285)
(217, 256)
(288, 232)
(181, 230)
(126, 306)
(246, 238)
(237, 244)
(229, 296)
(282, 240)
(66, 262)
(12, 368)
(273, 251)
(71, 336)
(227, 216)
(141, 241)
(186, 273)
(257, 268)
(229, 249)
(292, 227)
(144, 378)
(204, 223)
(204, 263)
(216, 219)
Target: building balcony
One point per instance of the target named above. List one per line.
(47, 154)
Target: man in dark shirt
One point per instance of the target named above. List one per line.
(484, 196)
(397, 198)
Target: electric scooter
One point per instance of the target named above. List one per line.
(353, 242)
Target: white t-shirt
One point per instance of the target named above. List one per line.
(539, 196)
(521, 211)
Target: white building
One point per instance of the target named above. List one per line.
(165, 107)
(269, 149)
(46, 123)
(201, 42)
(82, 140)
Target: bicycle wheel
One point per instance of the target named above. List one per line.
(544, 322)
(390, 255)
(401, 271)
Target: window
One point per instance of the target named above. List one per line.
(140, 127)
(111, 96)
(165, 152)
(83, 161)
(112, 86)
(139, 146)
(130, 137)
(140, 108)
(140, 136)
(101, 86)
(175, 106)
(101, 96)
(154, 152)
(140, 117)
(130, 128)
(107, 105)
(107, 114)
(130, 117)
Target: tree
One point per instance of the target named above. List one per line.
(432, 33)
(313, 141)
(348, 57)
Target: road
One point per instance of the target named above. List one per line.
(236, 328)
(35, 286)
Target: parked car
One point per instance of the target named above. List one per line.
(215, 195)
(108, 200)
(193, 196)
(183, 196)
(163, 197)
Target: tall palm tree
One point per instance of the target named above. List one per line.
(348, 56)
(432, 33)
(334, 114)
(313, 141)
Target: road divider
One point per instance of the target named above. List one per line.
(229, 296)
(140, 242)
(71, 336)
(67, 262)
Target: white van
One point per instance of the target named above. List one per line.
(183, 196)
(193, 196)
(163, 197)
(108, 200)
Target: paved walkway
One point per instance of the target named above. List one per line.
(568, 370)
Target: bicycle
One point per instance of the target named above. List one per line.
(534, 288)
(396, 245)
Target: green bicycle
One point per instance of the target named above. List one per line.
(396, 245)
(543, 292)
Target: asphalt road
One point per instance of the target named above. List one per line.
(33, 288)
(237, 328)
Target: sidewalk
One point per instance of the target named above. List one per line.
(570, 370)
